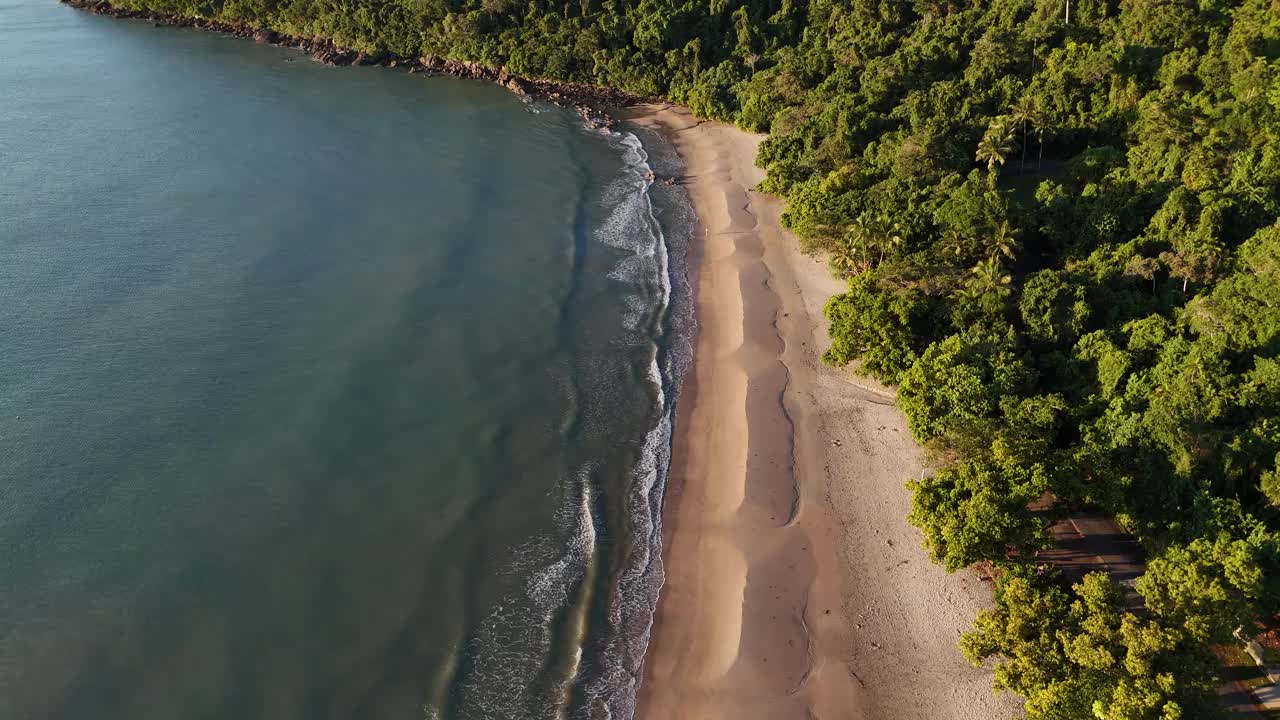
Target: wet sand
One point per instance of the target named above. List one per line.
(794, 586)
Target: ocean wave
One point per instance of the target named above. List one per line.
(543, 628)
(632, 225)
(516, 642)
(611, 690)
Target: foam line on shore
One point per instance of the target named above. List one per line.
(662, 320)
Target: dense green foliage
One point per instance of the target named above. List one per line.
(974, 510)
(1082, 655)
(1060, 232)
(696, 53)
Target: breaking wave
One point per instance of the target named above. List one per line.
(570, 642)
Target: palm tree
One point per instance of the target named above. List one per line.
(843, 260)
(1038, 120)
(995, 146)
(1022, 114)
(1004, 242)
(987, 277)
(955, 244)
(850, 254)
(844, 257)
(885, 233)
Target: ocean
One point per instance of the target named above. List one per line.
(324, 392)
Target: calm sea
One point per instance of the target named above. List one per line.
(324, 392)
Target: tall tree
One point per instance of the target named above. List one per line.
(1004, 243)
(1143, 267)
(1023, 114)
(1189, 265)
(994, 148)
(988, 278)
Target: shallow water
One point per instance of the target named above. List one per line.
(325, 392)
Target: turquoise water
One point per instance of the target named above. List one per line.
(324, 392)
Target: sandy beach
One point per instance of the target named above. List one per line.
(794, 586)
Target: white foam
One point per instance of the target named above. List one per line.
(632, 207)
(511, 645)
(499, 684)
(613, 687)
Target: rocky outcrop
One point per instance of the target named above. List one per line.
(586, 100)
(515, 86)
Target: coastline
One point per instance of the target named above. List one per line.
(585, 99)
(797, 415)
(794, 586)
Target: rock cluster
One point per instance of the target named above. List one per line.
(586, 100)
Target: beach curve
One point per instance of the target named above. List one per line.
(794, 587)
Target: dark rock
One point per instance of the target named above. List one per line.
(582, 98)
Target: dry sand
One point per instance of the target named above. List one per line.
(794, 586)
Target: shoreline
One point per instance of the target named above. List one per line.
(794, 587)
(586, 100)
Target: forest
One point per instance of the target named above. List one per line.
(1059, 224)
